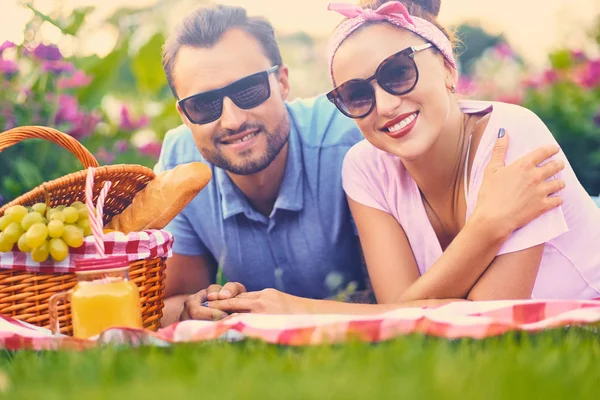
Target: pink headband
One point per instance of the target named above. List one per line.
(393, 12)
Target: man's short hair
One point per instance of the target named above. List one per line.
(206, 25)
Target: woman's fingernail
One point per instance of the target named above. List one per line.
(225, 293)
(501, 133)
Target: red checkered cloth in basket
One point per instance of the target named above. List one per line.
(136, 245)
(456, 320)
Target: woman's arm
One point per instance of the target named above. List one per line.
(393, 269)
(510, 276)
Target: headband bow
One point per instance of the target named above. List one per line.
(396, 14)
(389, 8)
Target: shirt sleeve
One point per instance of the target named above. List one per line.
(526, 134)
(358, 180)
(187, 242)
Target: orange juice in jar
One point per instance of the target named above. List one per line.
(104, 297)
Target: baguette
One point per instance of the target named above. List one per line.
(163, 198)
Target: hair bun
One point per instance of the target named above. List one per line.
(431, 6)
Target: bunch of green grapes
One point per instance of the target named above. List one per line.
(44, 231)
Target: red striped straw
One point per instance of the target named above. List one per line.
(95, 213)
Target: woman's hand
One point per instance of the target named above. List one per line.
(512, 196)
(267, 301)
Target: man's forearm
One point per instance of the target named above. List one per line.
(172, 309)
(460, 266)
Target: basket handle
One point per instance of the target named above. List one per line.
(13, 136)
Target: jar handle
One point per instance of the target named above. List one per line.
(53, 305)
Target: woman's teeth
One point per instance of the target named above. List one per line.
(403, 123)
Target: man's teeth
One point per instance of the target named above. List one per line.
(402, 123)
(247, 137)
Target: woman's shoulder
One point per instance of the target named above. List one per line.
(371, 160)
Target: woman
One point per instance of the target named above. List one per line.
(431, 226)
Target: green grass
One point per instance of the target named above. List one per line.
(553, 364)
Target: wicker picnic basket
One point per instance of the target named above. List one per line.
(24, 295)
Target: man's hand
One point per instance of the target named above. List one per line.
(193, 308)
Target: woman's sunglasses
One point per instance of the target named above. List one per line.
(397, 75)
(246, 93)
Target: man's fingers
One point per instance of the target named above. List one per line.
(205, 313)
(541, 154)
(231, 289)
(551, 168)
(193, 309)
(212, 292)
(499, 152)
(235, 304)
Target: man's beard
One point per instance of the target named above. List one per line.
(276, 140)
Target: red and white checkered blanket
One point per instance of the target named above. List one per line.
(455, 320)
(136, 245)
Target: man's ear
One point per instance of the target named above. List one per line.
(184, 119)
(284, 82)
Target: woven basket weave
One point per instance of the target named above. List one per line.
(24, 295)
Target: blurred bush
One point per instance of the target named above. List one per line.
(118, 106)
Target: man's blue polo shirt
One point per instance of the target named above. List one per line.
(307, 246)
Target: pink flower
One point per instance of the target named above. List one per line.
(578, 56)
(503, 50)
(127, 124)
(151, 149)
(43, 52)
(590, 76)
(57, 67)
(514, 98)
(68, 109)
(466, 85)
(8, 67)
(78, 79)
(6, 45)
(84, 125)
(121, 146)
(550, 76)
(104, 156)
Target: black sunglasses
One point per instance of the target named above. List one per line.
(246, 93)
(397, 75)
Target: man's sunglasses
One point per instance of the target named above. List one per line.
(246, 93)
(397, 75)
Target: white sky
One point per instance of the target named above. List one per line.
(533, 27)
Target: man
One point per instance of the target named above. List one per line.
(274, 214)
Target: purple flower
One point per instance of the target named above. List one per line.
(104, 156)
(466, 85)
(57, 67)
(578, 56)
(151, 149)
(597, 118)
(550, 76)
(590, 76)
(8, 67)
(9, 118)
(43, 52)
(84, 125)
(504, 50)
(78, 79)
(6, 45)
(121, 146)
(127, 124)
(68, 109)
